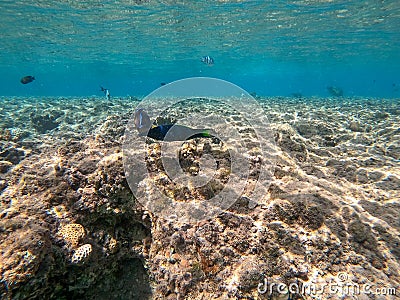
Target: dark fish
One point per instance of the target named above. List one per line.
(253, 94)
(208, 60)
(175, 132)
(27, 79)
(162, 83)
(296, 95)
(335, 91)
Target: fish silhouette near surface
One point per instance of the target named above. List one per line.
(166, 132)
(27, 79)
(208, 60)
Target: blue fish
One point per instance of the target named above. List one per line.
(208, 60)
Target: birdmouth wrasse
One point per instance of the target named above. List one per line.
(167, 132)
(27, 79)
(171, 132)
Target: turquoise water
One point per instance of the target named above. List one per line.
(269, 47)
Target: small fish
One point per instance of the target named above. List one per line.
(163, 83)
(27, 79)
(106, 92)
(296, 95)
(208, 60)
(142, 121)
(335, 91)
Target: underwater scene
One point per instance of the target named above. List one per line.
(221, 149)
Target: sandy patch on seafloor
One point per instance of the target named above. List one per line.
(332, 207)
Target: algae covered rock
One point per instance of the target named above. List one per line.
(44, 122)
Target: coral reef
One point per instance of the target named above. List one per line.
(72, 229)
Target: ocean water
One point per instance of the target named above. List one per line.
(267, 47)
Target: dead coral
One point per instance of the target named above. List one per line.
(81, 254)
(72, 233)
